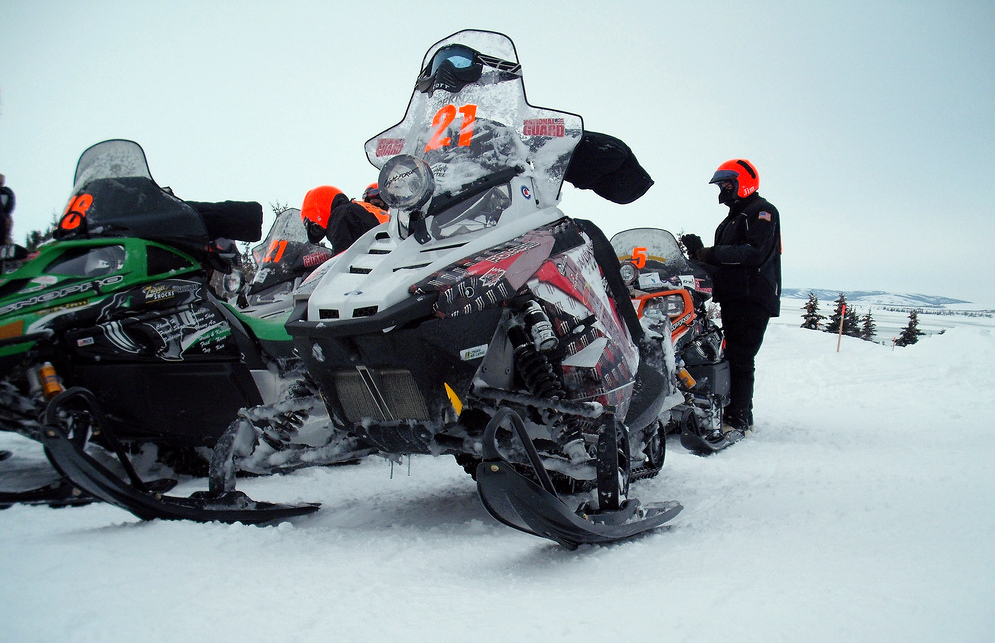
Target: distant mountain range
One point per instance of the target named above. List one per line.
(873, 297)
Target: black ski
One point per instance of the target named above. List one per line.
(537, 509)
(97, 480)
(58, 493)
(702, 445)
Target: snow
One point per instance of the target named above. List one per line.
(861, 509)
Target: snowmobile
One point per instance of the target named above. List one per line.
(113, 335)
(479, 322)
(671, 294)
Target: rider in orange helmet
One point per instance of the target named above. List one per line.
(328, 213)
(745, 264)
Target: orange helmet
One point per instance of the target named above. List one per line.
(318, 204)
(742, 173)
(371, 190)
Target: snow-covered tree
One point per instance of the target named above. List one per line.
(812, 319)
(867, 327)
(911, 333)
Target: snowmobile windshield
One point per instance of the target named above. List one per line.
(481, 129)
(652, 250)
(285, 255)
(114, 195)
(288, 227)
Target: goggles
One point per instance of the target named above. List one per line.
(465, 65)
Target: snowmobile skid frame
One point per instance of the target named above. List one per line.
(146, 500)
(537, 509)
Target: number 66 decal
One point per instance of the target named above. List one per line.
(443, 118)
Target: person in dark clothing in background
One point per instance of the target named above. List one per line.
(328, 213)
(745, 264)
(6, 212)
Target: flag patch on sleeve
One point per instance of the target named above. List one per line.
(764, 216)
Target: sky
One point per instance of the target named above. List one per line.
(869, 122)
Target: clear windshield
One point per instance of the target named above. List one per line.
(485, 127)
(288, 227)
(658, 248)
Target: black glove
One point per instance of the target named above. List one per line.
(692, 243)
(706, 255)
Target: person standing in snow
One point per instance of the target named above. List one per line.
(328, 213)
(745, 264)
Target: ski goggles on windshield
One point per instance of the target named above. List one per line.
(458, 65)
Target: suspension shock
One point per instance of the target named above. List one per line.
(531, 349)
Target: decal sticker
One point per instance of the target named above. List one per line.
(444, 118)
(75, 212)
(649, 281)
(476, 352)
(551, 127)
(316, 258)
(389, 146)
(275, 252)
(526, 192)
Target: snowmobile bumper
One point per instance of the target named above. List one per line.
(537, 509)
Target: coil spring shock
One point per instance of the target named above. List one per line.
(542, 381)
(535, 367)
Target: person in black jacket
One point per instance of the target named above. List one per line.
(745, 264)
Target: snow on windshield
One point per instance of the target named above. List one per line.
(111, 159)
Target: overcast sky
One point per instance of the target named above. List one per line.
(872, 123)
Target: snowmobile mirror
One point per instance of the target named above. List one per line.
(406, 182)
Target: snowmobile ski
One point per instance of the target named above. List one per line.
(58, 493)
(537, 509)
(97, 480)
(701, 445)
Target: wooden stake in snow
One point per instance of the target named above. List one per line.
(839, 339)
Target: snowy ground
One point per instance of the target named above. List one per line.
(860, 510)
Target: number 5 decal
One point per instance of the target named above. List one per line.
(443, 118)
(639, 257)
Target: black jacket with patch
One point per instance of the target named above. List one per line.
(747, 254)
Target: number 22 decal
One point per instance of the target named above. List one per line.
(444, 118)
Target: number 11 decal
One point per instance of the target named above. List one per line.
(443, 118)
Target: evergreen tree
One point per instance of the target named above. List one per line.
(812, 319)
(911, 333)
(851, 322)
(867, 327)
(836, 318)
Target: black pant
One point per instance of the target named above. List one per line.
(744, 323)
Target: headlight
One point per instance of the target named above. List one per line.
(406, 182)
(670, 306)
(628, 272)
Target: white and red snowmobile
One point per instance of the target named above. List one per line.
(481, 321)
